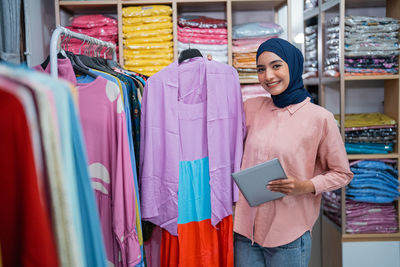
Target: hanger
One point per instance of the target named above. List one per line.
(78, 69)
(189, 53)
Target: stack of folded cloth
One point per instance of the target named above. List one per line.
(147, 32)
(311, 60)
(208, 35)
(370, 196)
(253, 90)
(331, 206)
(97, 26)
(310, 4)
(331, 67)
(246, 39)
(371, 45)
(369, 133)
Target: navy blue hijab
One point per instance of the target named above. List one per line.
(295, 93)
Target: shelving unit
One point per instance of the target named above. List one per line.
(335, 240)
(230, 8)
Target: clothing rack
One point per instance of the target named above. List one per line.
(54, 44)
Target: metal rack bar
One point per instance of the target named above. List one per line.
(54, 44)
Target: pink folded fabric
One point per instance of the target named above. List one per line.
(257, 40)
(90, 21)
(203, 36)
(184, 39)
(203, 30)
(106, 30)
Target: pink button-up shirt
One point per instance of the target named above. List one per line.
(307, 141)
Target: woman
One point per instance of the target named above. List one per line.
(307, 141)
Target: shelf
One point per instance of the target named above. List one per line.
(87, 6)
(257, 4)
(308, 14)
(144, 2)
(311, 81)
(330, 4)
(372, 77)
(370, 237)
(325, 80)
(365, 3)
(372, 156)
(248, 81)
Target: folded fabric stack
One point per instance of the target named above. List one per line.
(310, 4)
(147, 31)
(97, 26)
(311, 60)
(246, 39)
(331, 67)
(369, 133)
(370, 196)
(331, 205)
(371, 46)
(253, 90)
(208, 35)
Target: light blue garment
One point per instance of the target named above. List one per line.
(77, 176)
(194, 201)
(294, 254)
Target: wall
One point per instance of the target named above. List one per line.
(39, 23)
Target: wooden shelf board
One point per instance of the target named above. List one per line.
(372, 77)
(82, 6)
(248, 81)
(144, 2)
(196, 1)
(372, 156)
(308, 14)
(371, 237)
(330, 4)
(365, 3)
(325, 80)
(257, 4)
(311, 81)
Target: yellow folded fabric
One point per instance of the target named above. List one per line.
(157, 39)
(145, 11)
(147, 27)
(168, 56)
(151, 33)
(161, 51)
(147, 62)
(366, 119)
(143, 20)
(144, 46)
(144, 70)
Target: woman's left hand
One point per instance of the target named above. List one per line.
(291, 186)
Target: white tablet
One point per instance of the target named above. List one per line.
(253, 181)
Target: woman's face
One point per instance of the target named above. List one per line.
(273, 73)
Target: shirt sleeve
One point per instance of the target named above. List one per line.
(332, 162)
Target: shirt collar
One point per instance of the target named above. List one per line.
(294, 107)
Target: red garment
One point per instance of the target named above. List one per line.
(25, 230)
(199, 244)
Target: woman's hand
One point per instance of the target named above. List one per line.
(291, 186)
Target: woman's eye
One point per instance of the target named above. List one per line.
(259, 70)
(276, 66)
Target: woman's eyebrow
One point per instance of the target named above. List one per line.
(275, 61)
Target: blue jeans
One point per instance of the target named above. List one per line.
(294, 254)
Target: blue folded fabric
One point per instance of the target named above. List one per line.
(368, 148)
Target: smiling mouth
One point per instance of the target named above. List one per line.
(270, 85)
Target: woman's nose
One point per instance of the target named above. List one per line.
(268, 74)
